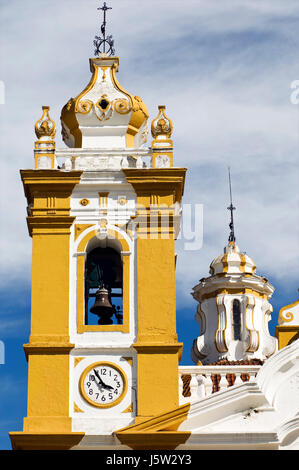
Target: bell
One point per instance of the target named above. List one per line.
(102, 307)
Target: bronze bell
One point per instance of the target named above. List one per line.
(102, 307)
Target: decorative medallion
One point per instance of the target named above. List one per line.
(103, 224)
(122, 201)
(84, 202)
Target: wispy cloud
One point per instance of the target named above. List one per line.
(224, 71)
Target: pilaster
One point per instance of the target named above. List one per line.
(48, 194)
(158, 350)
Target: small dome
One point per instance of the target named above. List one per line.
(104, 115)
(232, 261)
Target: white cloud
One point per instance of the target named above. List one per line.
(223, 69)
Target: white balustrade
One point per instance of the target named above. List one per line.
(102, 159)
(198, 380)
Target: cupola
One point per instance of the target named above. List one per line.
(232, 261)
(234, 309)
(104, 115)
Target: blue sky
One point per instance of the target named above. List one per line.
(224, 71)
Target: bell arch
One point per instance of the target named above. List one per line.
(103, 275)
(101, 249)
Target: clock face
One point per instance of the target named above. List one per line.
(103, 384)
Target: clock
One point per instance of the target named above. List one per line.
(103, 384)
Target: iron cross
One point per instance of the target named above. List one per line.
(104, 8)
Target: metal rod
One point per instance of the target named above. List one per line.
(231, 208)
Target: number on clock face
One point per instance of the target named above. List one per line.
(103, 385)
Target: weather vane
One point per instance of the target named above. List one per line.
(103, 44)
(231, 208)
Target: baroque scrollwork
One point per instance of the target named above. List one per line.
(104, 108)
(84, 106)
(122, 106)
(286, 317)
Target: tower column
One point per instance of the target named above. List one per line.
(158, 351)
(48, 194)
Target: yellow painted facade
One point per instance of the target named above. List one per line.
(60, 245)
(48, 424)
(286, 335)
(158, 350)
(48, 349)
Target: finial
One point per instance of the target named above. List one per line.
(231, 208)
(45, 126)
(44, 147)
(102, 43)
(161, 125)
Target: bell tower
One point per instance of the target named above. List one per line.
(233, 311)
(234, 308)
(103, 214)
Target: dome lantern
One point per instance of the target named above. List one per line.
(234, 309)
(104, 115)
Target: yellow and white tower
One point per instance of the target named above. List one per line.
(103, 353)
(233, 311)
(103, 214)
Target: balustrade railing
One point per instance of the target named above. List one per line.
(197, 382)
(101, 159)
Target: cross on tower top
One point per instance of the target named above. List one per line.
(105, 8)
(104, 44)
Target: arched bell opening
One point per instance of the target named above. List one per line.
(103, 284)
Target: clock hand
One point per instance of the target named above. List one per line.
(98, 376)
(101, 381)
(109, 387)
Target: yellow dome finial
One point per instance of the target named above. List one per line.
(45, 126)
(44, 147)
(161, 125)
(162, 144)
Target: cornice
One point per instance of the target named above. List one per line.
(50, 224)
(149, 180)
(49, 181)
(232, 284)
(45, 441)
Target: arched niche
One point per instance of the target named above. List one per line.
(103, 287)
(108, 248)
